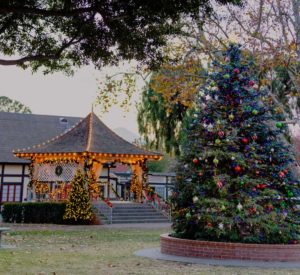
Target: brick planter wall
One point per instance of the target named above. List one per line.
(222, 250)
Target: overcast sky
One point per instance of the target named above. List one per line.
(57, 94)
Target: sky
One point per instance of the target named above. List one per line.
(58, 94)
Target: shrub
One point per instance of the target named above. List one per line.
(34, 212)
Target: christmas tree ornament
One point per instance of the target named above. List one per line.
(220, 184)
(245, 140)
(195, 199)
(195, 160)
(254, 112)
(232, 158)
(200, 174)
(281, 174)
(231, 117)
(223, 208)
(209, 225)
(186, 166)
(221, 226)
(272, 150)
(279, 125)
(237, 169)
(221, 134)
(239, 207)
(215, 161)
(251, 83)
(188, 216)
(226, 76)
(217, 141)
(254, 137)
(255, 87)
(236, 70)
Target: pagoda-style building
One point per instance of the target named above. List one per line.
(88, 146)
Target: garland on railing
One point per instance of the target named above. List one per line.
(108, 203)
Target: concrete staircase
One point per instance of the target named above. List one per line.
(128, 212)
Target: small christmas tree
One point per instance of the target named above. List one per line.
(235, 182)
(79, 208)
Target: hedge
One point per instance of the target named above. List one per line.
(34, 212)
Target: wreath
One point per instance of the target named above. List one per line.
(58, 170)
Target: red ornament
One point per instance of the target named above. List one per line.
(195, 160)
(200, 174)
(252, 210)
(254, 137)
(257, 173)
(281, 174)
(221, 134)
(237, 169)
(251, 83)
(245, 140)
(285, 171)
(261, 186)
(209, 225)
(236, 71)
(220, 184)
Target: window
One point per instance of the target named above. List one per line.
(11, 193)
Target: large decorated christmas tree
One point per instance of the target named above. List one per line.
(235, 181)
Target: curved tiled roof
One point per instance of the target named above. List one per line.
(89, 135)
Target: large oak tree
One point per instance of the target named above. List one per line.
(58, 35)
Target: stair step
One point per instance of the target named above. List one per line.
(140, 221)
(132, 213)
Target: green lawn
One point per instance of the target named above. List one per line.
(97, 251)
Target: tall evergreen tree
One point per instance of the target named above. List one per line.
(235, 181)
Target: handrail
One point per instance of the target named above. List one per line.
(113, 189)
(155, 201)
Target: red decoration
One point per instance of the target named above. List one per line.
(195, 160)
(261, 186)
(236, 71)
(281, 174)
(220, 184)
(200, 174)
(245, 140)
(209, 225)
(252, 210)
(257, 173)
(254, 137)
(251, 83)
(237, 169)
(221, 134)
(285, 171)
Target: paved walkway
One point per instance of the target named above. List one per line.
(154, 253)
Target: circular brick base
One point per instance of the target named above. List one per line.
(222, 250)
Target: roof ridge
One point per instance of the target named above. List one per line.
(124, 140)
(90, 129)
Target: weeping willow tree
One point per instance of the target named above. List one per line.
(160, 125)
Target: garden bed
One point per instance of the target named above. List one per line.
(222, 250)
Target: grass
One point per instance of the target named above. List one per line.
(97, 251)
